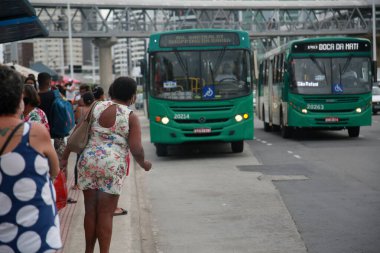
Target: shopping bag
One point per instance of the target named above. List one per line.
(60, 190)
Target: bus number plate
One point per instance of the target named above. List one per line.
(315, 107)
(181, 116)
(332, 119)
(202, 130)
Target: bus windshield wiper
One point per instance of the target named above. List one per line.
(220, 57)
(323, 71)
(211, 72)
(345, 67)
(183, 66)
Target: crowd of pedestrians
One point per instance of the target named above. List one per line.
(29, 162)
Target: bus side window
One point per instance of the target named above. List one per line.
(281, 67)
(274, 69)
(260, 78)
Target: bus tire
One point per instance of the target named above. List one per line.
(353, 131)
(237, 146)
(161, 150)
(286, 132)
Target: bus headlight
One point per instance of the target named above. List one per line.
(304, 111)
(358, 110)
(165, 120)
(238, 118)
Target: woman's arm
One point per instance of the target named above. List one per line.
(134, 141)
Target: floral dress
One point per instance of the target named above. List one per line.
(103, 163)
(37, 115)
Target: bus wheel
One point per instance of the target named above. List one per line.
(353, 131)
(161, 150)
(237, 146)
(286, 132)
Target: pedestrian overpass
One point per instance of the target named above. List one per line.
(269, 23)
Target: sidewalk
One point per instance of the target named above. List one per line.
(262, 220)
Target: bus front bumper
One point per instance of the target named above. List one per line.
(329, 120)
(168, 135)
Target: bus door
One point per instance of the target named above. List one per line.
(271, 92)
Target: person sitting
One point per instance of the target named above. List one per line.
(227, 73)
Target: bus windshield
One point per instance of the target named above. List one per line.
(200, 75)
(345, 75)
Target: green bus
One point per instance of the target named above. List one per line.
(199, 88)
(321, 83)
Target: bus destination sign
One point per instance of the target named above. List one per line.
(333, 46)
(199, 39)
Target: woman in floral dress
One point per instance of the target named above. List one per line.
(102, 166)
(31, 112)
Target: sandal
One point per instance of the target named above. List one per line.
(120, 211)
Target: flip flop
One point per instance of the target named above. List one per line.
(123, 212)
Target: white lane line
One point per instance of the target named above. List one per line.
(290, 152)
(264, 142)
(269, 144)
(297, 156)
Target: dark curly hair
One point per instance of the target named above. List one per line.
(123, 88)
(11, 88)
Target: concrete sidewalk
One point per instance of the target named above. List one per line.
(126, 228)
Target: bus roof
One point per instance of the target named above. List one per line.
(191, 39)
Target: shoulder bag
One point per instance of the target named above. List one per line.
(78, 139)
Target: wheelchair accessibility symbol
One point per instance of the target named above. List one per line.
(208, 91)
(337, 88)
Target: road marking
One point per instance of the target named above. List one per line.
(264, 142)
(269, 144)
(290, 152)
(297, 156)
(282, 177)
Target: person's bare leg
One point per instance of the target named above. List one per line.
(106, 206)
(90, 217)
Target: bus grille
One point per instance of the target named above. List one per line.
(202, 135)
(331, 99)
(201, 108)
(333, 111)
(189, 121)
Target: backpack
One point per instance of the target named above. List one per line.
(61, 116)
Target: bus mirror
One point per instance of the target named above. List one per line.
(255, 65)
(143, 67)
(286, 65)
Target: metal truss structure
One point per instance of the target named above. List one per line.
(269, 23)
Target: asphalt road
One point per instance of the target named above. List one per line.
(338, 208)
